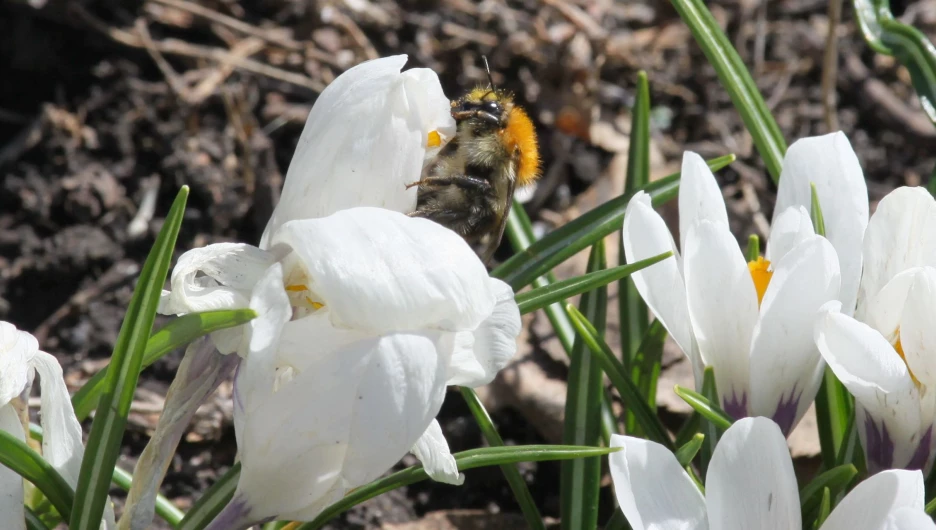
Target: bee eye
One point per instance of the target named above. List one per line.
(492, 107)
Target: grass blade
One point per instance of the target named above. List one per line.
(33, 522)
(646, 417)
(175, 334)
(16, 455)
(887, 36)
(517, 485)
(634, 316)
(835, 480)
(520, 233)
(690, 449)
(488, 456)
(737, 81)
(107, 430)
(708, 409)
(541, 297)
(645, 368)
(579, 480)
(529, 263)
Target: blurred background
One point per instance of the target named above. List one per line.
(107, 107)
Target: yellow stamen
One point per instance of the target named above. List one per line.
(314, 304)
(298, 288)
(761, 274)
(435, 140)
(899, 347)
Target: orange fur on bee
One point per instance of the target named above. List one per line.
(520, 134)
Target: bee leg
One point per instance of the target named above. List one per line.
(462, 181)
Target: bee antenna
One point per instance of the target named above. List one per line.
(487, 68)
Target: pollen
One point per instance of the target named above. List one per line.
(434, 140)
(761, 274)
(899, 348)
(520, 135)
(297, 288)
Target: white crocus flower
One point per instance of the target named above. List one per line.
(829, 163)
(370, 133)
(887, 358)
(750, 484)
(20, 361)
(365, 317)
(750, 321)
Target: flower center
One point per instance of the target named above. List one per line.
(898, 347)
(434, 140)
(761, 274)
(299, 297)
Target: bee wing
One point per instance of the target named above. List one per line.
(496, 236)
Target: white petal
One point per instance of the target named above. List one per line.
(11, 484)
(869, 367)
(909, 519)
(379, 270)
(788, 230)
(257, 375)
(917, 332)
(885, 309)
(16, 347)
(784, 357)
(830, 163)
(492, 345)
(433, 451)
(661, 285)
(218, 276)
(750, 481)
(61, 441)
(654, 492)
(315, 437)
(700, 198)
(400, 393)
(364, 140)
(722, 306)
(875, 499)
(901, 235)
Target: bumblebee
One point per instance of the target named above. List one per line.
(469, 187)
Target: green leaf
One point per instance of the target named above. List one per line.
(107, 430)
(520, 234)
(834, 480)
(689, 450)
(538, 258)
(33, 522)
(737, 81)
(164, 507)
(711, 429)
(540, 297)
(753, 247)
(646, 417)
(645, 368)
(708, 409)
(633, 313)
(175, 334)
(834, 407)
(488, 456)
(888, 36)
(825, 506)
(209, 505)
(16, 455)
(815, 211)
(579, 480)
(517, 485)
(930, 507)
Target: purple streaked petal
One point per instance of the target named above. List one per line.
(785, 415)
(879, 447)
(921, 456)
(736, 407)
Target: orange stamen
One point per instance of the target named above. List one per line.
(761, 274)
